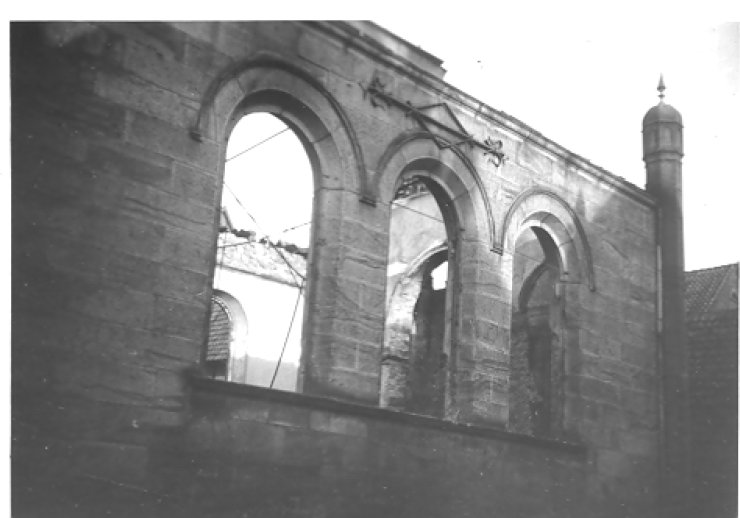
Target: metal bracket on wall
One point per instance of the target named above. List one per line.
(492, 149)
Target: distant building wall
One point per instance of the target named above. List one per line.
(269, 307)
(119, 135)
(712, 322)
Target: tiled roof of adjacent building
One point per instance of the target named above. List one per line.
(219, 334)
(282, 263)
(711, 290)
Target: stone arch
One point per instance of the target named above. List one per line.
(538, 336)
(424, 258)
(544, 308)
(265, 84)
(446, 165)
(313, 113)
(401, 285)
(460, 194)
(539, 207)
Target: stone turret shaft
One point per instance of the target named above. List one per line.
(662, 130)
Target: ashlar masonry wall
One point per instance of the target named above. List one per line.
(119, 137)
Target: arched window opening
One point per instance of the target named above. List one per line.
(263, 247)
(536, 332)
(414, 362)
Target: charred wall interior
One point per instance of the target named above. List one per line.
(119, 133)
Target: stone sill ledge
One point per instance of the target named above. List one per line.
(211, 386)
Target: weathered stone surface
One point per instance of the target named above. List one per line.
(114, 230)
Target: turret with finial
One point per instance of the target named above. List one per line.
(662, 138)
(662, 127)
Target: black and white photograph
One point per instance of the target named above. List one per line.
(468, 261)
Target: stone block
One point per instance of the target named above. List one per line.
(533, 159)
(343, 425)
(187, 251)
(122, 163)
(72, 257)
(103, 379)
(611, 463)
(638, 443)
(364, 268)
(368, 357)
(256, 442)
(579, 410)
(88, 40)
(168, 389)
(333, 353)
(119, 304)
(351, 385)
(614, 417)
(49, 163)
(85, 115)
(117, 463)
(230, 40)
(160, 207)
(292, 417)
(251, 410)
(639, 402)
(495, 355)
(173, 141)
(598, 390)
(171, 74)
(176, 318)
(357, 236)
(485, 307)
(599, 435)
(327, 54)
(142, 96)
(190, 285)
(151, 350)
(201, 31)
(488, 332)
(195, 184)
(608, 369)
(120, 232)
(368, 331)
(303, 450)
(610, 348)
(638, 355)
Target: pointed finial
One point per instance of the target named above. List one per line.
(661, 88)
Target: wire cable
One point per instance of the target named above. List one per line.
(258, 144)
(391, 204)
(293, 270)
(295, 227)
(287, 335)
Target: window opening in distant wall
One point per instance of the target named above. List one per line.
(262, 252)
(536, 332)
(414, 366)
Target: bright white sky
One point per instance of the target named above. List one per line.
(271, 183)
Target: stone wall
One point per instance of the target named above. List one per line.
(118, 143)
